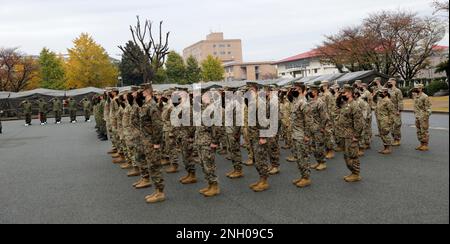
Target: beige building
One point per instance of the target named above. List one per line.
(227, 50)
(440, 54)
(250, 71)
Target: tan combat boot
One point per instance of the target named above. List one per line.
(116, 155)
(172, 169)
(145, 183)
(112, 151)
(321, 166)
(126, 165)
(235, 174)
(424, 148)
(314, 166)
(274, 170)
(291, 159)
(339, 149)
(263, 185)
(214, 190)
(296, 181)
(190, 179)
(352, 178)
(396, 143)
(118, 160)
(249, 162)
(303, 183)
(137, 182)
(157, 196)
(134, 172)
(387, 150)
(164, 162)
(330, 154)
(203, 190)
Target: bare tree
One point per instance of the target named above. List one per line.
(154, 51)
(16, 70)
(440, 6)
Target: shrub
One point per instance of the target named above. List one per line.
(436, 86)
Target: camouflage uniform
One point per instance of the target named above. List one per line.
(113, 108)
(367, 127)
(87, 108)
(128, 135)
(274, 143)
(350, 123)
(43, 108)
(422, 111)
(397, 100)
(72, 106)
(320, 121)
(57, 109)
(301, 124)
(152, 133)
(27, 110)
(234, 142)
(286, 130)
(369, 118)
(170, 145)
(204, 137)
(330, 104)
(385, 112)
(185, 138)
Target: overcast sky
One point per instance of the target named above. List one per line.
(269, 29)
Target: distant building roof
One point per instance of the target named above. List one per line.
(440, 48)
(248, 63)
(311, 54)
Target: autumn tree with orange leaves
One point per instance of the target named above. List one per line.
(89, 65)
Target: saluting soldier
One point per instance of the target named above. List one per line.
(27, 111)
(422, 111)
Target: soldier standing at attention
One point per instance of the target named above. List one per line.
(385, 114)
(301, 134)
(376, 91)
(57, 109)
(422, 111)
(72, 106)
(260, 146)
(170, 149)
(43, 109)
(234, 139)
(350, 121)
(152, 133)
(87, 109)
(330, 104)
(397, 99)
(206, 143)
(27, 110)
(320, 122)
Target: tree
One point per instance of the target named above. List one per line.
(51, 70)
(89, 65)
(130, 72)
(212, 69)
(440, 6)
(175, 68)
(193, 70)
(16, 70)
(155, 52)
(443, 68)
(160, 76)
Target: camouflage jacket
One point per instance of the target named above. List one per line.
(27, 107)
(365, 108)
(43, 106)
(87, 106)
(126, 121)
(397, 98)
(422, 106)
(385, 112)
(72, 105)
(319, 114)
(57, 105)
(301, 119)
(113, 108)
(330, 104)
(151, 123)
(350, 121)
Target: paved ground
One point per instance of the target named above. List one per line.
(61, 174)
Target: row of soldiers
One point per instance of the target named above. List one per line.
(315, 122)
(55, 105)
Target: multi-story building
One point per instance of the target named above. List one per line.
(250, 71)
(227, 50)
(304, 65)
(440, 54)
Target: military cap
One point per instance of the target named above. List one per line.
(134, 88)
(377, 79)
(348, 87)
(418, 86)
(253, 83)
(324, 83)
(298, 83)
(317, 83)
(314, 87)
(146, 86)
(358, 82)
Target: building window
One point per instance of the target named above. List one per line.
(222, 53)
(214, 46)
(316, 71)
(229, 53)
(215, 53)
(229, 45)
(222, 45)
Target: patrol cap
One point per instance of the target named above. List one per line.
(377, 79)
(358, 82)
(253, 83)
(147, 86)
(134, 88)
(314, 87)
(418, 86)
(348, 87)
(324, 83)
(392, 80)
(179, 88)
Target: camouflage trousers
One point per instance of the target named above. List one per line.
(301, 152)
(234, 141)
(207, 161)
(57, 116)
(27, 118)
(274, 148)
(131, 150)
(385, 133)
(187, 154)
(152, 164)
(261, 157)
(73, 115)
(87, 114)
(170, 149)
(329, 137)
(246, 137)
(423, 125)
(351, 150)
(286, 133)
(318, 146)
(366, 134)
(43, 117)
(397, 127)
